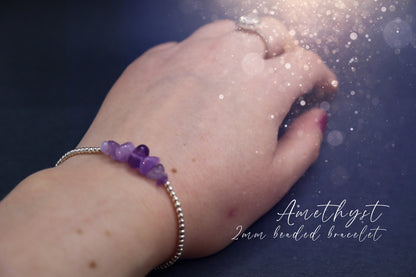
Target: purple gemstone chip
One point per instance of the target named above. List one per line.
(142, 150)
(147, 164)
(109, 148)
(162, 180)
(124, 151)
(105, 148)
(134, 160)
(156, 172)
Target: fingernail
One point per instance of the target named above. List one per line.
(323, 122)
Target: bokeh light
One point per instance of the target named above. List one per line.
(351, 36)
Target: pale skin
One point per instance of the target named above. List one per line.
(210, 107)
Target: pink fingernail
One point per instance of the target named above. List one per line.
(323, 122)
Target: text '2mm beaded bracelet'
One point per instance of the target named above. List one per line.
(149, 166)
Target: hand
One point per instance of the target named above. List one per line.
(211, 107)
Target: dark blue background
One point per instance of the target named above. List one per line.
(58, 60)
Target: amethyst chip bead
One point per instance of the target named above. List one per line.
(109, 148)
(142, 150)
(147, 164)
(158, 173)
(134, 160)
(138, 158)
(124, 151)
(162, 180)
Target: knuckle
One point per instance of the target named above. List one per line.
(310, 57)
(211, 29)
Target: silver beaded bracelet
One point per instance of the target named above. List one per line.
(148, 166)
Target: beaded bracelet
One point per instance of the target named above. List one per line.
(149, 166)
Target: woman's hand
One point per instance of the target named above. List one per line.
(211, 107)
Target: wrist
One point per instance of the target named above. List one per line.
(139, 211)
(102, 215)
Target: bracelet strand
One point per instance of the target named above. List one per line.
(138, 158)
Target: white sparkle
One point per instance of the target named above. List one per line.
(353, 36)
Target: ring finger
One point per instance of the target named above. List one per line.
(273, 35)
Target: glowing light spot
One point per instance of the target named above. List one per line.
(335, 83)
(352, 93)
(353, 36)
(383, 9)
(288, 66)
(221, 96)
(398, 33)
(302, 103)
(353, 60)
(335, 138)
(325, 106)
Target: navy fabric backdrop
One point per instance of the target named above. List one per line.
(58, 60)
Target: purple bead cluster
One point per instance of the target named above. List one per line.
(138, 158)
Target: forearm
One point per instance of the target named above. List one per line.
(90, 216)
